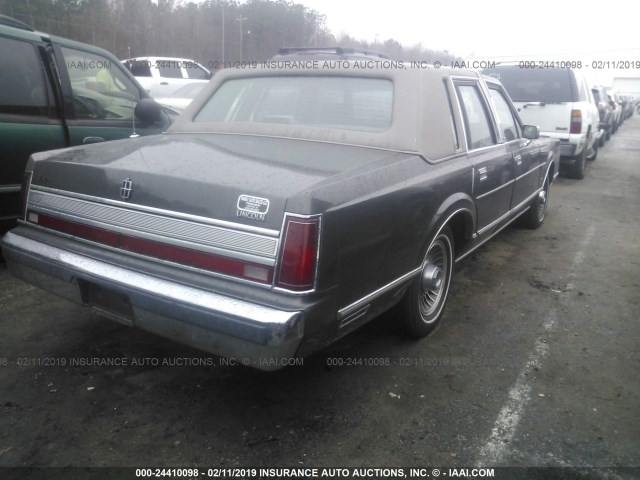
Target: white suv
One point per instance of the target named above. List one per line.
(560, 102)
(162, 76)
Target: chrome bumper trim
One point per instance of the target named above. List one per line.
(10, 189)
(199, 235)
(205, 320)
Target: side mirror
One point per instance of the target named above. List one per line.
(149, 111)
(531, 132)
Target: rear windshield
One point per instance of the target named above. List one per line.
(596, 95)
(347, 103)
(536, 85)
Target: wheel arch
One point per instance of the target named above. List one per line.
(458, 212)
(551, 169)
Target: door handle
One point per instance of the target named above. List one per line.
(88, 140)
(518, 159)
(164, 83)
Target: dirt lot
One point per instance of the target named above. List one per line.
(537, 363)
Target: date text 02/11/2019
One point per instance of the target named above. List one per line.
(579, 64)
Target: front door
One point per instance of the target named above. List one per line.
(528, 162)
(492, 162)
(102, 98)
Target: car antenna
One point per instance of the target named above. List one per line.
(134, 134)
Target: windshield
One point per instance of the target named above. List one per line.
(347, 103)
(531, 85)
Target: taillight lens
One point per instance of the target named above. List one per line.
(299, 253)
(151, 248)
(24, 194)
(576, 121)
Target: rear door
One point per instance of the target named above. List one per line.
(28, 117)
(493, 171)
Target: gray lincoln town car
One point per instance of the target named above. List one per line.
(286, 207)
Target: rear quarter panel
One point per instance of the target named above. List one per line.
(378, 225)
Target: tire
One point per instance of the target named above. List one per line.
(594, 153)
(577, 169)
(534, 218)
(424, 302)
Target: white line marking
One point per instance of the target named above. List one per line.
(504, 428)
(495, 450)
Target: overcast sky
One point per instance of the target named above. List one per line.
(488, 27)
(515, 30)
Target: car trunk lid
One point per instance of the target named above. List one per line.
(230, 178)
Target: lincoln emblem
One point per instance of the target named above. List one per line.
(126, 188)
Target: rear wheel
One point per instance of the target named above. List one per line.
(577, 169)
(424, 302)
(593, 151)
(534, 217)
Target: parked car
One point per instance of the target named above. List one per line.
(328, 53)
(605, 112)
(618, 110)
(627, 105)
(560, 102)
(182, 97)
(286, 207)
(57, 93)
(163, 76)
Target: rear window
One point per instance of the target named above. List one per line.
(347, 103)
(536, 85)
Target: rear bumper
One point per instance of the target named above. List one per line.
(567, 150)
(254, 335)
(570, 144)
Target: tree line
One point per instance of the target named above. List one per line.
(213, 32)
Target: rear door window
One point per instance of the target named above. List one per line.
(23, 90)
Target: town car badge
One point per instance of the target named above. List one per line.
(253, 208)
(126, 188)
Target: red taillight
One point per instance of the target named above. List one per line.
(576, 121)
(76, 229)
(299, 253)
(164, 251)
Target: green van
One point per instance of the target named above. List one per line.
(56, 93)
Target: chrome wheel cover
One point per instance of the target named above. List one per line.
(541, 205)
(431, 298)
